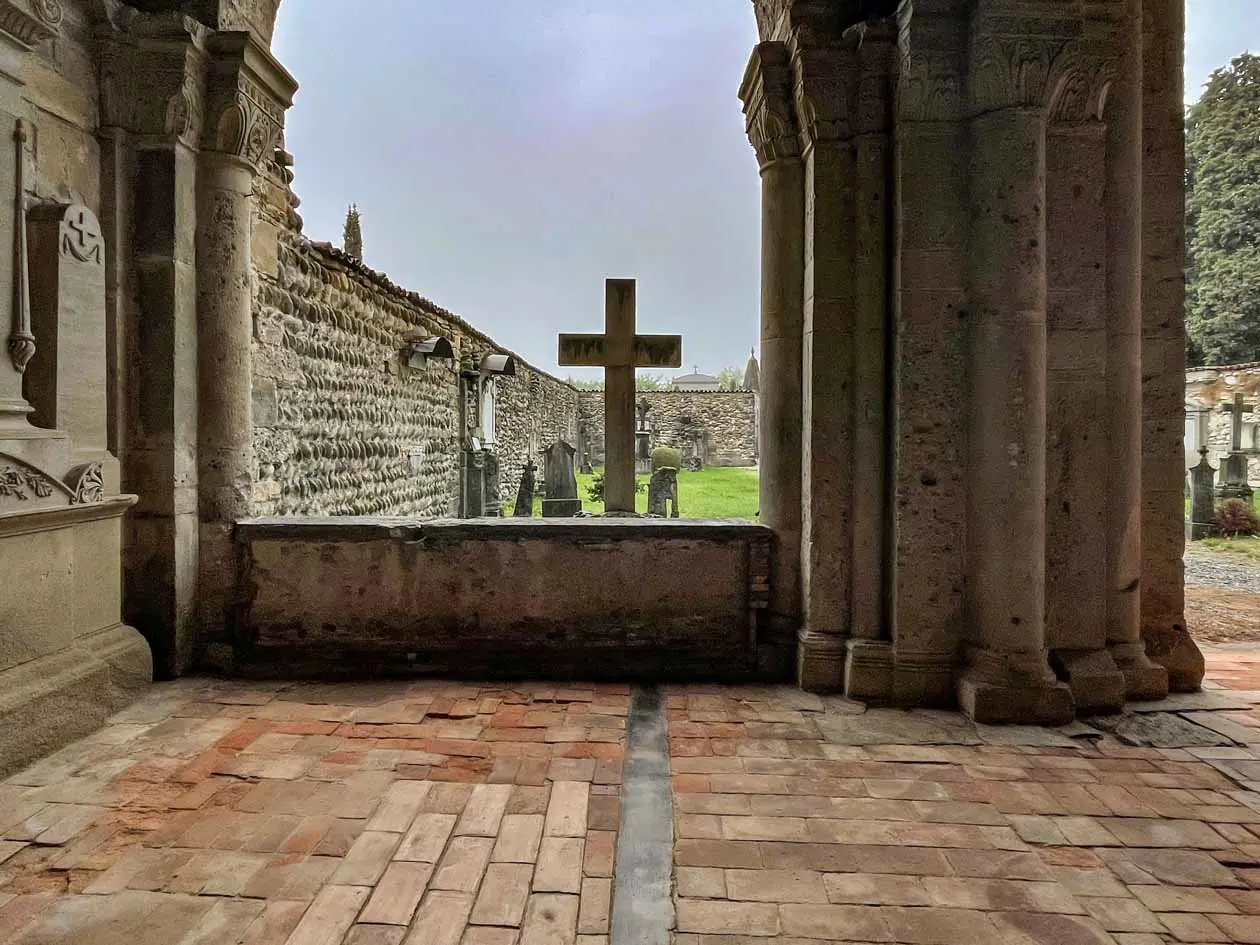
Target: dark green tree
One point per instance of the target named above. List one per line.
(1223, 217)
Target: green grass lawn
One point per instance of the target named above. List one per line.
(1243, 545)
(711, 493)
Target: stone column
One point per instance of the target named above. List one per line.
(766, 93)
(1164, 632)
(1123, 116)
(1007, 676)
(247, 94)
(825, 79)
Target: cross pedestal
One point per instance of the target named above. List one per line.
(619, 351)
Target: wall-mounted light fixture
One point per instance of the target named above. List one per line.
(500, 364)
(418, 350)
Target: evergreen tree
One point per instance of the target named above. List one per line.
(1223, 217)
(352, 242)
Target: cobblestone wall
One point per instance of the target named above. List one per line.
(342, 426)
(725, 420)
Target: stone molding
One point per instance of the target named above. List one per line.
(29, 22)
(767, 96)
(823, 89)
(247, 94)
(21, 342)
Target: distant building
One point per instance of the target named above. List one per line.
(697, 381)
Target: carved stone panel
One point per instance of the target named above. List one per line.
(66, 383)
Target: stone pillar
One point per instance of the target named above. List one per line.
(247, 92)
(868, 673)
(1163, 346)
(151, 104)
(1007, 676)
(929, 425)
(766, 93)
(825, 80)
(1143, 679)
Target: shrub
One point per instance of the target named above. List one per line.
(595, 491)
(1235, 517)
(666, 457)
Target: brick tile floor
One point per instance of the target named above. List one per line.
(432, 813)
(217, 813)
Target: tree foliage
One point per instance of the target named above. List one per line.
(730, 378)
(1223, 217)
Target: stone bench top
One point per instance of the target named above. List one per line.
(371, 528)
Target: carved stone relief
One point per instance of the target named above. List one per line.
(26, 488)
(30, 22)
(767, 97)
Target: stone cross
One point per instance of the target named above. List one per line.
(1238, 408)
(619, 351)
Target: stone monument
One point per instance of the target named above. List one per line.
(1202, 499)
(561, 482)
(619, 351)
(643, 438)
(663, 493)
(1234, 469)
(525, 492)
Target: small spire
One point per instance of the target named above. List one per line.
(352, 242)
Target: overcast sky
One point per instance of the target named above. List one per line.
(508, 155)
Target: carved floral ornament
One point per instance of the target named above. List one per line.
(248, 95)
(22, 484)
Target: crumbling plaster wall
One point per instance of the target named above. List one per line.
(727, 418)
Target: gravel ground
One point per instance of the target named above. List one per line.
(1222, 569)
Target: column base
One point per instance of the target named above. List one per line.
(869, 671)
(1013, 689)
(1098, 686)
(1173, 648)
(924, 679)
(1144, 680)
(820, 659)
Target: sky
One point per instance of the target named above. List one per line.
(509, 155)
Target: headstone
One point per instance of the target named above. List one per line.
(473, 474)
(1234, 470)
(619, 351)
(663, 493)
(560, 481)
(525, 492)
(66, 383)
(1202, 498)
(643, 438)
(492, 504)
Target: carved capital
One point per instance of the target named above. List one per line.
(152, 76)
(247, 95)
(825, 82)
(1079, 88)
(767, 96)
(930, 87)
(1012, 71)
(29, 22)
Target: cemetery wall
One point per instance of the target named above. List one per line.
(1210, 420)
(726, 420)
(341, 425)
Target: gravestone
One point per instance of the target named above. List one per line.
(643, 438)
(1202, 498)
(525, 492)
(67, 383)
(663, 493)
(1234, 470)
(492, 505)
(560, 481)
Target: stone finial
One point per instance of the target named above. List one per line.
(352, 242)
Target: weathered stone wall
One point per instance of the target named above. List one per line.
(341, 425)
(726, 419)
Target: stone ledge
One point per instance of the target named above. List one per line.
(352, 529)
